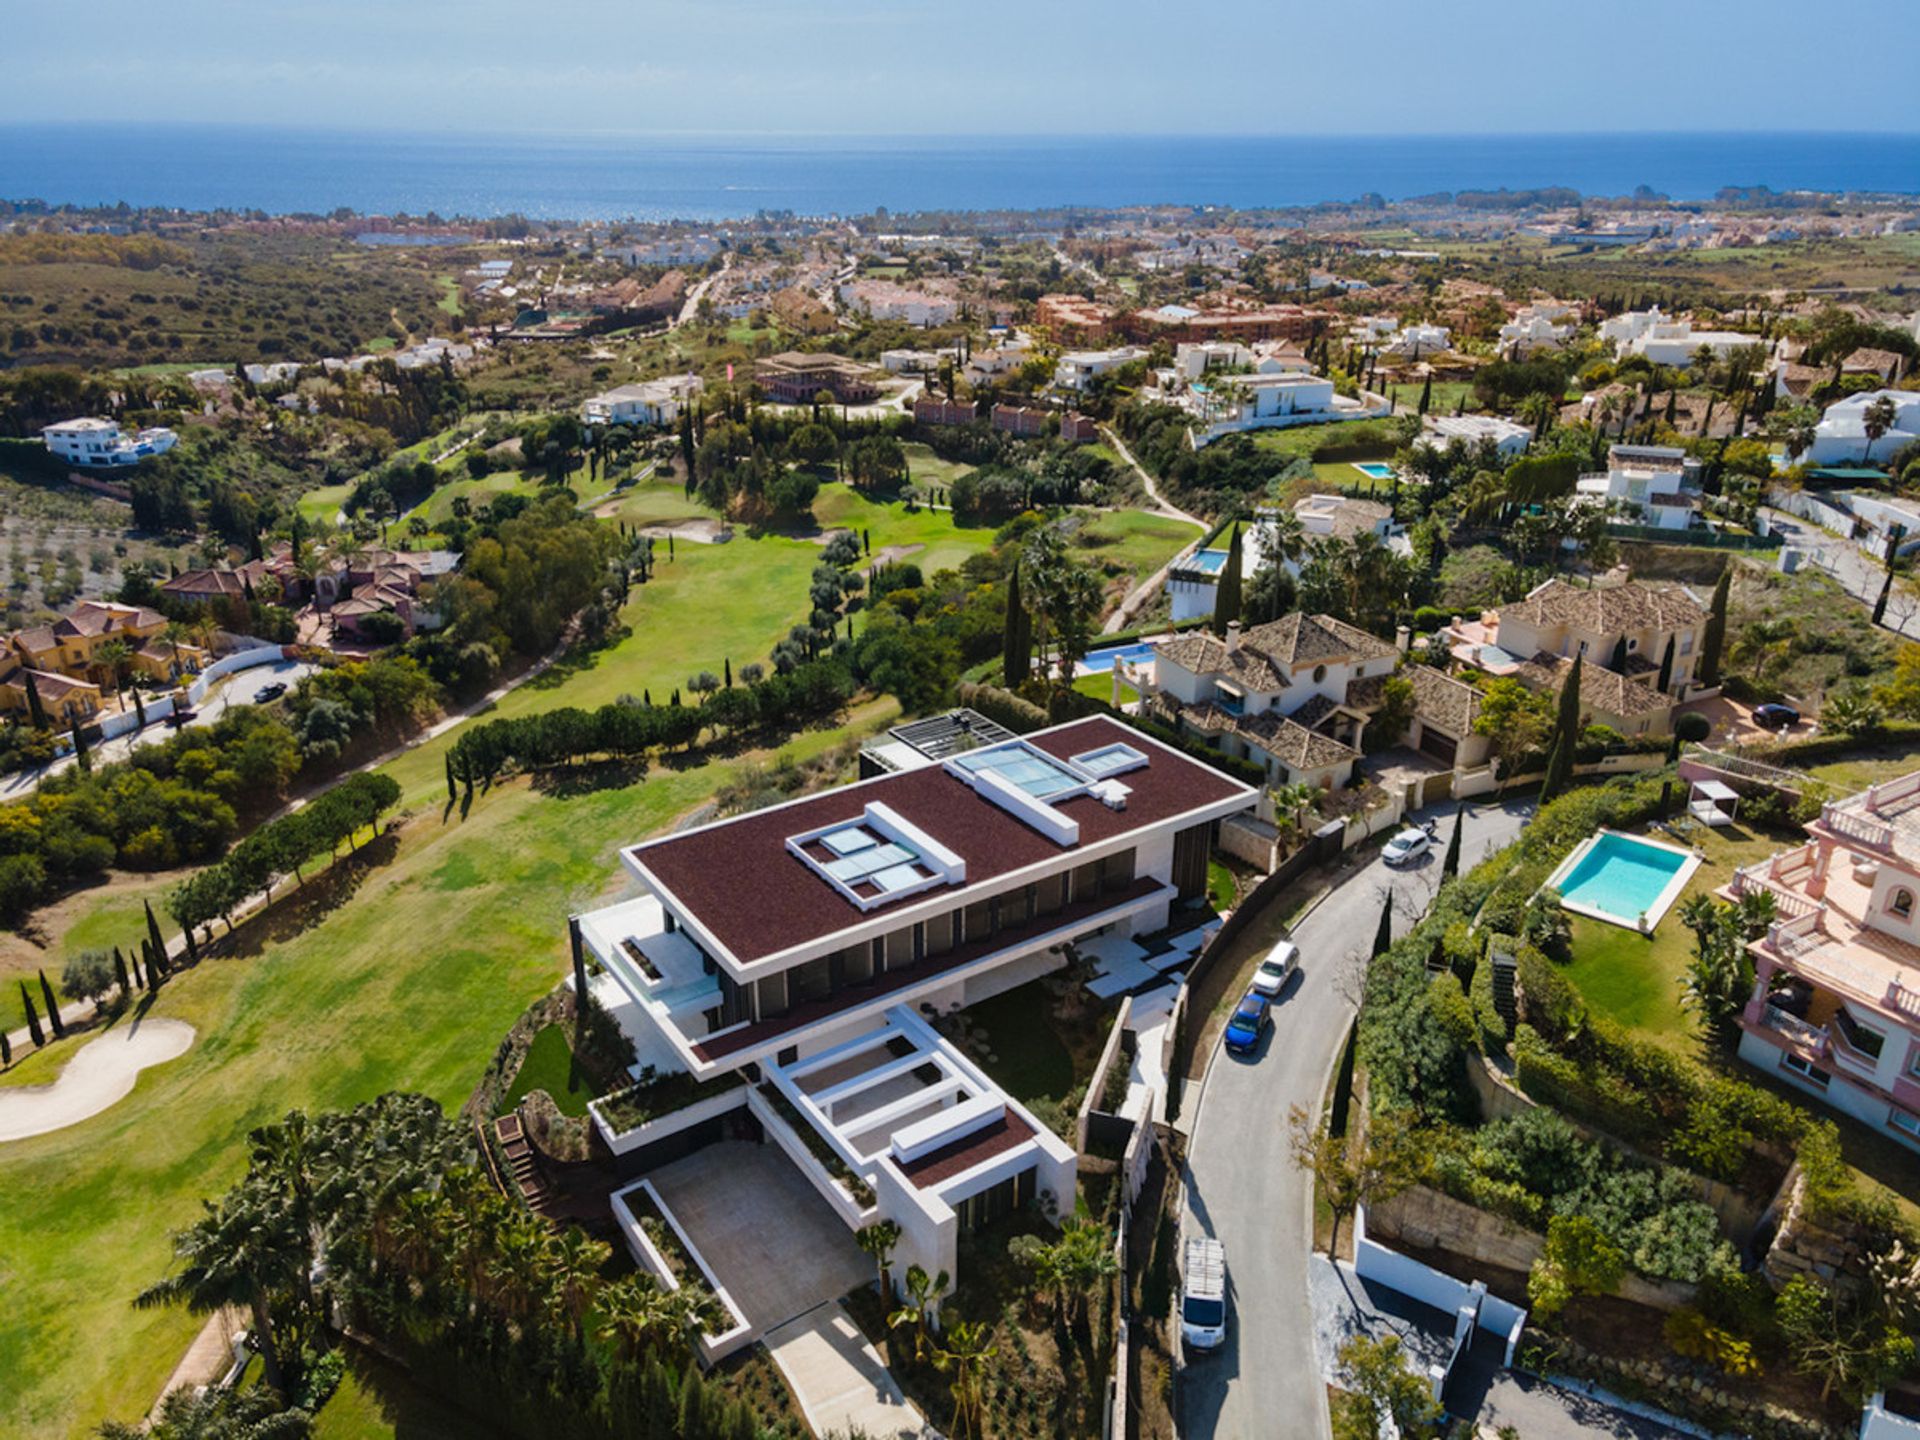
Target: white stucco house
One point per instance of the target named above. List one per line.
(1668, 341)
(1079, 368)
(1841, 436)
(1656, 485)
(1416, 340)
(1510, 438)
(651, 402)
(102, 444)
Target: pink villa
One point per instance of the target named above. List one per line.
(1836, 997)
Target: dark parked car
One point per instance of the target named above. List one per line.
(1775, 717)
(269, 692)
(1249, 1023)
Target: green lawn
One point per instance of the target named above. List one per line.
(1635, 979)
(377, 1400)
(1132, 543)
(926, 468)
(1029, 1059)
(322, 506)
(1100, 687)
(97, 918)
(943, 544)
(1303, 440)
(1868, 765)
(549, 1066)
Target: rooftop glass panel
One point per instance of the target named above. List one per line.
(1110, 760)
(845, 842)
(898, 877)
(1033, 772)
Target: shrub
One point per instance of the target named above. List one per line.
(1693, 1335)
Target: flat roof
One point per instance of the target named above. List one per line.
(738, 880)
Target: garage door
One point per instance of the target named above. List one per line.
(1440, 747)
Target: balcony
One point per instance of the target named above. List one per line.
(751, 1038)
(661, 969)
(1784, 1022)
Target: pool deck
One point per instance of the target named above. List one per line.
(1691, 861)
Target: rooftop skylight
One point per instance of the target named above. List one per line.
(877, 858)
(1040, 775)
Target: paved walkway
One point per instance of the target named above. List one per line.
(1137, 599)
(100, 1073)
(837, 1377)
(208, 1358)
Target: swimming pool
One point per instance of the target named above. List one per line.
(1374, 469)
(1207, 562)
(1623, 879)
(1099, 662)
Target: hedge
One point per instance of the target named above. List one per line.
(1004, 707)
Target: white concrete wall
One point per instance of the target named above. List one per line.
(929, 1230)
(1876, 1423)
(622, 1142)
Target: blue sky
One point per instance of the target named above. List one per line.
(983, 67)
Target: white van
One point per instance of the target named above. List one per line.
(1203, 1294)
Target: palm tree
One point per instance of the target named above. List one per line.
(574, 1260)
(877, 1240)
(923, 1294)
(636, 1315)
(966, 1347)
(517, 1270)
(242, 1252)
(1293, 809)
(1876, 420)
(111, 659)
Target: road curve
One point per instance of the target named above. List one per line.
(1241, 1184)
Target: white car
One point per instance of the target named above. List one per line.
(1406, 847)
(1274, 972)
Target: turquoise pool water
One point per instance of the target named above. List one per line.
(1099, 662)
(1208, 562)
(1374, 469)
(1621, 876)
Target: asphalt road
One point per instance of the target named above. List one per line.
(1241, 1183)
(1859, 574)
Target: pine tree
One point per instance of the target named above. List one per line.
(1450, 867)
(1716, 636)
(1383, 937)
(1666, 666)
(53, 1007)
(1226, 591)
(33, 1017)
(36, 711)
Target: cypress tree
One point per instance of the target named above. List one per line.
(153, 931)
(36, 711)
(1618, 664)
(80, 755)
(1426, 393)
(53, 1007)
(1566, 735)
(1383, 937)
(452, 793)
(6, 1049)
(33, 1017)
(1666, 666)
(1016, 644)
(1226, 593)
(726, 666)
(693, 1404)
(1716, 637)
(1450, 867)
(139, 710)
(120, 973)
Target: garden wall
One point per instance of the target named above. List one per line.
(1429, 1220)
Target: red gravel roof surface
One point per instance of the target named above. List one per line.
(738, 880)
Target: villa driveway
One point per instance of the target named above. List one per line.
(771, 1240)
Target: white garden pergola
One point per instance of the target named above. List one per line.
(1712, 803)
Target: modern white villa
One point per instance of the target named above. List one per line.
(1510, 438)
(1077, 369)
(781, 967)
(651, 402)
(1193, 584)
(102, 443)
(1835, 1009)
(1412, 341)
(1841, 436)
(1667, 341)
(1656, 485)
(1534, 327)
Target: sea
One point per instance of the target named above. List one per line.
(723, 177)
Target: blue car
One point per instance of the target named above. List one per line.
(1250, 1020)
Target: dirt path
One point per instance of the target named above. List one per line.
(100, 1073)
(1161, 505)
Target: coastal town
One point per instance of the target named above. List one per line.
(1103, 821)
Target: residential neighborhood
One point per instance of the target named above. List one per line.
(747, 782)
